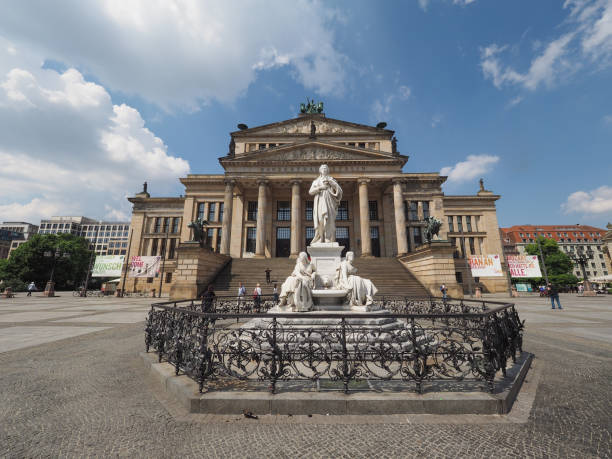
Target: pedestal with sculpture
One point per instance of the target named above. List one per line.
(197, 265)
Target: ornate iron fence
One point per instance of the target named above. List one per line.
(418, 341)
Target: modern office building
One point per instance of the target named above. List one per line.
(25, 228)
(569, 237)
(105, 237)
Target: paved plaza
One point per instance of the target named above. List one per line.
(72, 384)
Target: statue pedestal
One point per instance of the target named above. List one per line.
(326, 257)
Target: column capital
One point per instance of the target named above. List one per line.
(399, 180)
(230, 181)
(295, 181)
(262, 181)
(363, 180)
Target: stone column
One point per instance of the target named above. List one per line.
(400, 218)
(296, 218)
(364, 218)
(228, 200)
(260, 241)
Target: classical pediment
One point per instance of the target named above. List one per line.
(314, 151)
(323, 125)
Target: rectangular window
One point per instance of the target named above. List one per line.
(221, 205)
(211, 211)
(342, 232)
(310, 232)
(167, 221)
(459, 223)
(425, 209)
(373, 209)
(172, 249)
(283, 233)
(418, 239)
(175, 224)
(413, 214)
(218, 247)
(361, 144)
(251, 236)
(374, 232)
(451, 226)
(308, 209)
(201, 210)
(459, 277)
(343, 211)
(472, 247)
(154, 244)
(468, 223)
(283, 211)
(168, 278)
(252, 211)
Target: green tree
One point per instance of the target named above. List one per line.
(28, 263)
(559, 265)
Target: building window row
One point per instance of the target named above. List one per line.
(411, 210)
(208, 211)
(461, 223)
(166, 225)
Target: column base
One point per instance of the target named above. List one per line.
(259, 256)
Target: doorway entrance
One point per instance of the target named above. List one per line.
(283, 241)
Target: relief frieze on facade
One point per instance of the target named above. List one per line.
(303, 127)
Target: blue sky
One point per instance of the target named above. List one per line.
(96, 97)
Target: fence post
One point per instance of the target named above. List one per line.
(273, 363)
(345, 367)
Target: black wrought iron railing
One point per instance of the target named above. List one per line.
(419, 341)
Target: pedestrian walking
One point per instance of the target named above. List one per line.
(275, 293)
(241, 293)
(553, 292)
(257, 297)
(31, 288)
(268, 271)
(443, 290)
(208, 298)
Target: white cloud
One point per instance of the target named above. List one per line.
(182, 53)
(435, 120)
(607, 119)
(597, 201)
(66, 149)
(474, 166)
(381, 108)
(425, 3)
(587, 37)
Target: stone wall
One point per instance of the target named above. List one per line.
(196, 268)
(433, 265)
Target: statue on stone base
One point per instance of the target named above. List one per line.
(360, 291)
(327, 195)
(296, 291)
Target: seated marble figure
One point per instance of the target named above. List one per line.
(296, 291)
(360, 291)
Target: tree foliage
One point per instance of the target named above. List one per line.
(559, 265)
(28, 262)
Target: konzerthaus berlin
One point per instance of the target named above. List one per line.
(260, 206)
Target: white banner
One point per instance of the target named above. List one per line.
(485, 265)
(524, 266)
(107, 266)
(144, 266)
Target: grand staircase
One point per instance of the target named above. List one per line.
(388, 275)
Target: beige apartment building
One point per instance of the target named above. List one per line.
(260, 207)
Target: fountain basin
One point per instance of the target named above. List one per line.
(329, 299)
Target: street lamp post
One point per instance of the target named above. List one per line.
(50, 287)
(581, 258)
(163, 256)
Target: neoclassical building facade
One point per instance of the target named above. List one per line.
(260, 206)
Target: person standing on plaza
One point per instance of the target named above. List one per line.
(257, 297)
(31, 288)
(443, 289)
(208, 298)
(275, 293)
(241, 293)
(553, 292)
(268, 271)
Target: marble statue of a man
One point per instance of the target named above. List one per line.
(296, 291)
(360, 291)
(327, 195)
